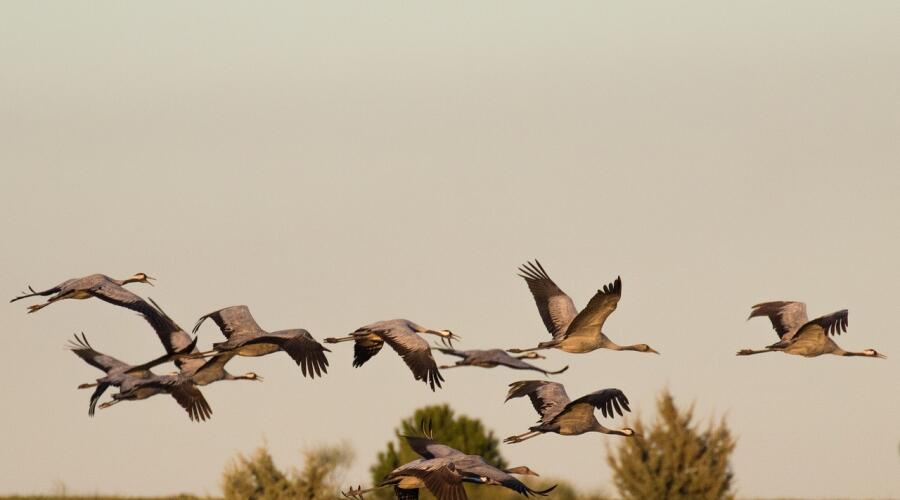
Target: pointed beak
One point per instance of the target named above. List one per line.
(650, 349)
(259, 378)
(147, 281)
(880, 356)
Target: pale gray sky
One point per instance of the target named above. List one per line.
(334, 164)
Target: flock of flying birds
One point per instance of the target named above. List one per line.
(442, 469)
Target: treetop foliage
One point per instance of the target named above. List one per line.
(673, 458)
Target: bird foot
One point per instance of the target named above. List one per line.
(351, 493)
(35, 308)
(745, 352)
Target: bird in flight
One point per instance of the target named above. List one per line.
(803, 337)
(490, 358)
(563, 416)
(443, 470)
(573, 331)
(404, 337)
(246, 338)
(136, 381)
(96, 285)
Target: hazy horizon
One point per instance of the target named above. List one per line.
(335, 164)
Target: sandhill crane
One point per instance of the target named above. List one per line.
(573, 331)
(127, 377)
(495, 357)
(402, 336)
(246, 338)
(802, 337)
(198, 370)
(184, 391)
(438, 475)
(566, 417)
(443, 470)
(474, 465)
(96, 285)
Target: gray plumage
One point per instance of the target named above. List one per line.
(247, 338)
(96, 285)
(438, 475)
(183, 390)
(403, 336)
(490, 358)
(129, 377)
(786, 316)
(573, 331)
(802, 337)
(191, 367)
(475, 465)
(560, 415)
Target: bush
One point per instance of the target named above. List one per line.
(673, 459)
(258, 478)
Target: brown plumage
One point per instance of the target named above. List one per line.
(403, 336)
(560, 415)
(247, 338)
(573, 331)
(135, 381)
(490, 358)
(802, 337)
(96, 285)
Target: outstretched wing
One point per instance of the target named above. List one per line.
(301, 347)
(416, 352)
(477, 466)
(83, 350)
(548, 398)
(608, 401)
(364, 348)
(92, 406)
(112, 293)
(454, 352)
(556, 308)
(501, 358)
(439, 476)
(231, 320)
(786, 316)
(191, 399)
(589, 321)
(174, 339)
(831, 324)
(429, 448)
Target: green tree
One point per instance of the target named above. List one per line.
(258, 478)
(673, 458)
(467, 435)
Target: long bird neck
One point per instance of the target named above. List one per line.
(841, 352)
(126, 281)
(598, 427)
(609, 344)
